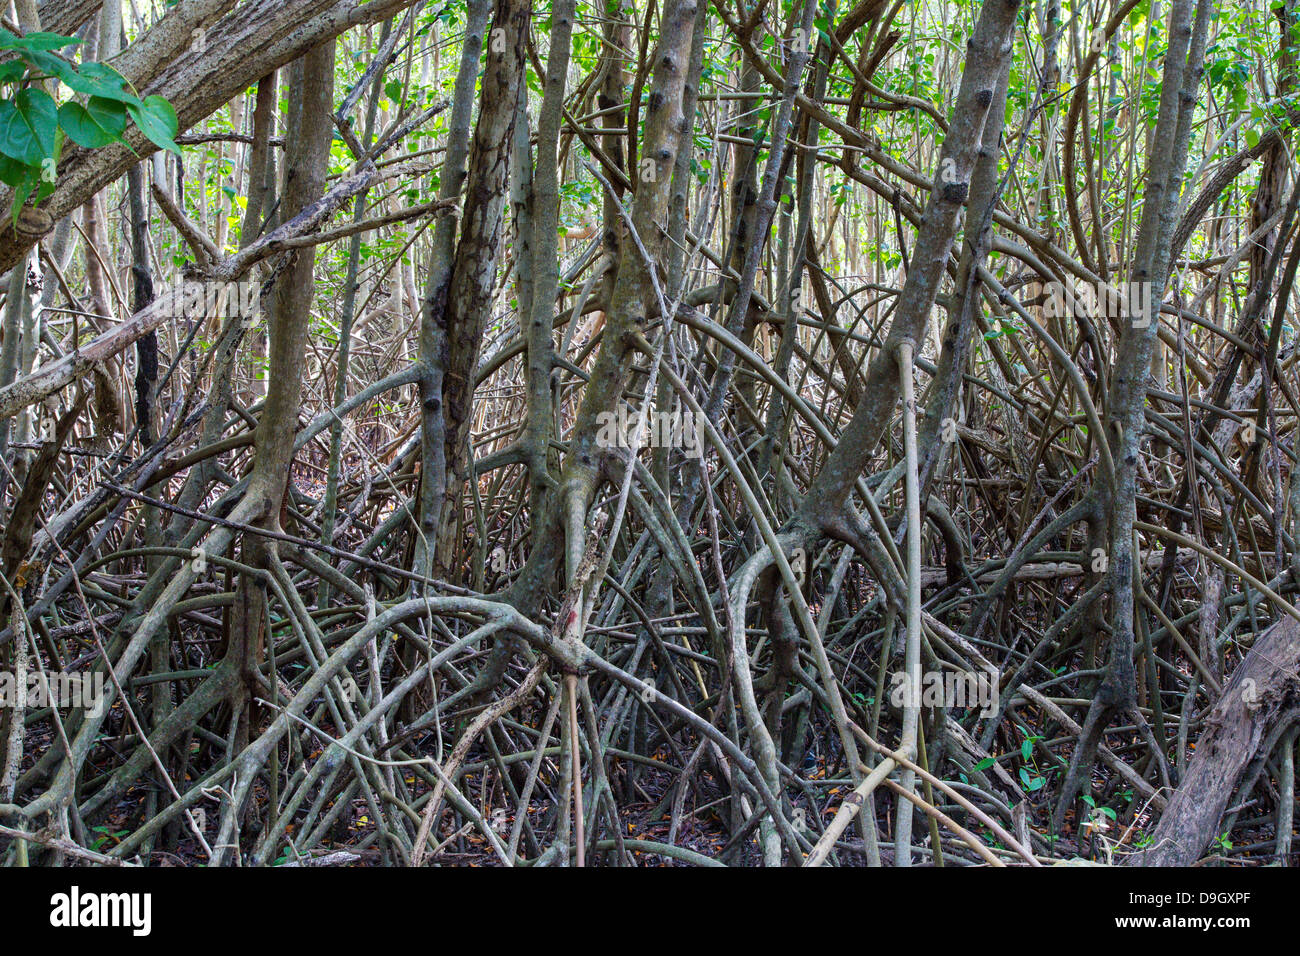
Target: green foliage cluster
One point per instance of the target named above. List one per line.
(33, 126)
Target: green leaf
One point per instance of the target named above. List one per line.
(985, 763)
(26, 186)
(93, 79)
(157, 120)
(1031, 783)
(44, 40)
(27, 126)
(1026, 749)
(49, 171)
(53, 65)
(11, 171)
(35, 41)
(100, 79)
(96, 124)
